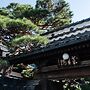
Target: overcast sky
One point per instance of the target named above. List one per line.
(80, 8)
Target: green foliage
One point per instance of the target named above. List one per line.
(19, 30)
(4, 11)
(46, 4)
(28, 38)
(19, 19)
(29, 24)
(64, 15)
(2, 24)
(28, 73)
(3, 21)
(86, 84)
(45, 11)
(20, 10)
(59, 12)
(15, 10)
(20, 24)
(36, 15)
(16, 24)
(3, 63)
(71, 85)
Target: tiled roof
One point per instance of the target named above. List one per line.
(69, 35)
(68, 26)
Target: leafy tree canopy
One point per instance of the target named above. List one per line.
(17, 30)
(15, 10)
(47, 12)
(59, 12)
(19, 24)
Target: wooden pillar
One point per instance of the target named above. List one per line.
(61, 85)
(44, 84)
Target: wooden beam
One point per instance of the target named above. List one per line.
(53, 72)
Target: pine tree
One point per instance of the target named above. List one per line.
(59, 12)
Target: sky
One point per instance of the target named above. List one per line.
(80, 8)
